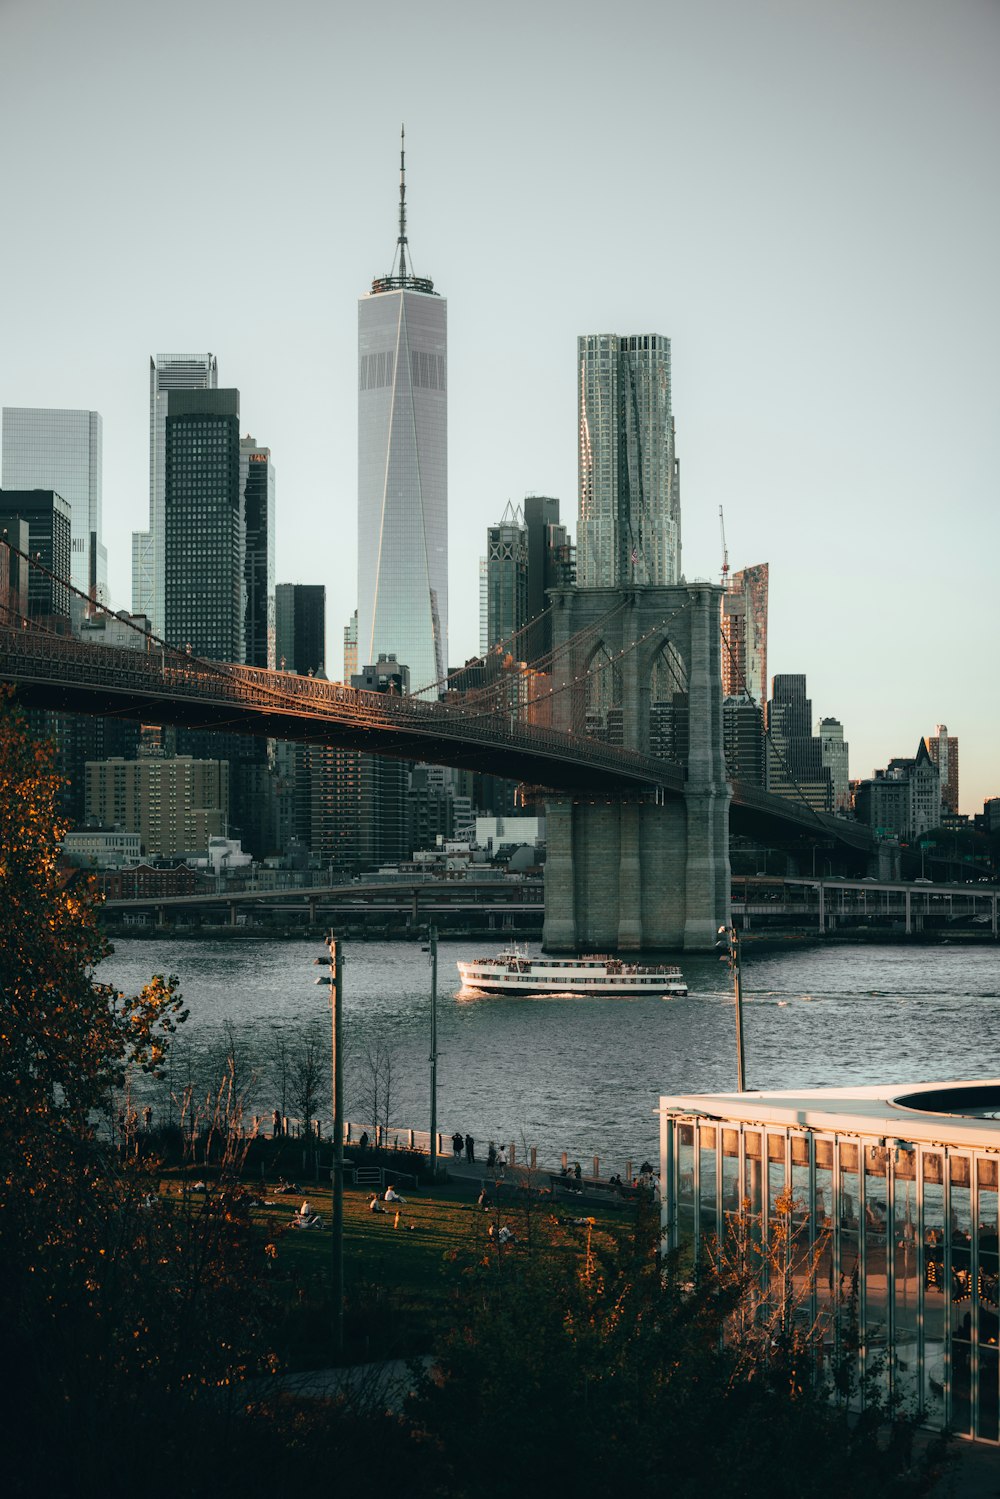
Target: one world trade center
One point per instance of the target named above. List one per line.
(403, 469)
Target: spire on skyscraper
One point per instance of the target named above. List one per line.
(399, 278)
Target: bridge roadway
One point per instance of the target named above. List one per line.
(158, 685)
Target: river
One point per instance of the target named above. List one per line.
(581, 1075)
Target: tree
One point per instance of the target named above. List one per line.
(65, 1038)
(608, 1372)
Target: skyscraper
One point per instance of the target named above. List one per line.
(795, 765)
(166, 372)
(507, 580)
(49, 523)
(630, 510)
(62, 450)
(744, 635)
(551, 564)
(257, 503)
(300, 628)
(943, 750)
(204, 529)
(402, 468)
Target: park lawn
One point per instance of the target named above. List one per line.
(398, 1282)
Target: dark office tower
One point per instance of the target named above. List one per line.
(167, 372)
(257, 495)
(744, 635)
(300, 626)
(551, 564)
(506, 580)
(794, 754)
(204, 530)
(383, 783)
(13, 569)
(50, 538)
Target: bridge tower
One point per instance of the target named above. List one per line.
(650, 870)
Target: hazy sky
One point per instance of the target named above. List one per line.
(802, 196)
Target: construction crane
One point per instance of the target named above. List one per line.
(725, 549)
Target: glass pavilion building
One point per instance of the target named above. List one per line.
(403, 470)
(884, 1202)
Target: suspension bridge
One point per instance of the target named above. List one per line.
(617, 724)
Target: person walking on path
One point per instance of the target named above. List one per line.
(502, 1160)
(456, 1145)
(470, 1150)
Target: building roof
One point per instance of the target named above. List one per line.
(955, 1112)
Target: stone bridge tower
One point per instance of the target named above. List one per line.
(646, 871)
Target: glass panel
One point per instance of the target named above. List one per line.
(754, 1179)
(961, 1293)
(848, 1287)
(904, 1250)
(708, 1187)
(685, 1183)
(876, 1278)
(988, 1374)
(934, 1289)
(823, 1253)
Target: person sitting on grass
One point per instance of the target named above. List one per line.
(375, 1206)
(484, 1200)
(391, 1195)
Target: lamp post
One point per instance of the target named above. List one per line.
(434, 1048)
(730, 939)
(337, 1170)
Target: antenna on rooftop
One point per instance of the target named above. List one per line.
(401, 242)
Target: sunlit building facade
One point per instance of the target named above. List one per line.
(403, 470)
(63, 451)
(744, 634)
(629, 479)
(872, 1217)
(943, 750)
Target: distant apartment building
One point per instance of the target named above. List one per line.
(943, 750)
(102, 848)
(743, 740)
(903, 800)
(834, 753)
(744, 634)
(175, 804)
(63, 451)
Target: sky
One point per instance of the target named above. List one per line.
(802, 196)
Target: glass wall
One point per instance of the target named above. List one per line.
(888, 1249)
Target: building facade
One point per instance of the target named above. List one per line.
(167, 372)
(257, 482)
(943, 750)
(872, 1216)
(300, 628)
(629, 479)
(49, 521)
(175, 804)
(204, 604)
(835, 755)
(744, 634)
(403, 469)
(507, 580)
(794, 755)
(63, 451)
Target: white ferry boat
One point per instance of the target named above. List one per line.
(514, 972)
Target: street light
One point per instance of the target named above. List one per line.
(433, 1055)
(337, 1170)
(730, 940)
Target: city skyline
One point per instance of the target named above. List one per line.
(821, 262)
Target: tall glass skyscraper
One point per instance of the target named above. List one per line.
(403, 469)
(167, 372)
(62, 451)
(630, 507)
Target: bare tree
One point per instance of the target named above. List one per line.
(308, 1080)
(375, 1088)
